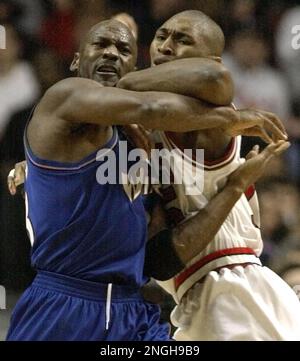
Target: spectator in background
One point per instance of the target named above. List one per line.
(280, 209)
(240, 15)
(49, 70)
(285, 259)
(15, 271)
(57, 31)
(289, 60)
(257, 84)
(31, 17)
(288, 57)
(9, 11)
(18, 84)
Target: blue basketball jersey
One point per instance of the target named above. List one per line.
(81, 228)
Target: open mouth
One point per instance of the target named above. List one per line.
(107, 69)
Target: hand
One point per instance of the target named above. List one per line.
(16, 177)
(257, 123)
(139, 136)
(249, 172)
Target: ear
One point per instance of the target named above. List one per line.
(75, 62)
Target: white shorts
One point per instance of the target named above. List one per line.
(250, 303)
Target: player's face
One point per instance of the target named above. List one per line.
(178, 38)
(109, 53)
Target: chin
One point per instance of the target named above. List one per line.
(106, 81)
(109, 83)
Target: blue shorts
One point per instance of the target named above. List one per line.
(62, 308)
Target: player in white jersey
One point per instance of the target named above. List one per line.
(224, 293)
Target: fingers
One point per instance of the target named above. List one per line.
(281, 148)
(254, 152)
(16, 177)
(257, 132)
(11, 183)
(274, 130)
(276, 121)
(275, 149)
(19, 175)
(269, 124)
(264, 135)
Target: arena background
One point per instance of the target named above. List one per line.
(41, 37)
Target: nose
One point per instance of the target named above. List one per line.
(111, 53)
(166, 48)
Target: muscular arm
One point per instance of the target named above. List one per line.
(85, 101)
(200, 78)
(191, 237)
(168, 252)
(187, 240)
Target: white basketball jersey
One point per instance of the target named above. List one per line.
(239, 238)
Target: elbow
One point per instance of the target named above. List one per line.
(125, 83)
(221, 86)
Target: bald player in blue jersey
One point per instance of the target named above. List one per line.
(89, 239)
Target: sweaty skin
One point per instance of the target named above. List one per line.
(75, 116)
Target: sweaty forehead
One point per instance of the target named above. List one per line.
(113, 31)
(182, 24)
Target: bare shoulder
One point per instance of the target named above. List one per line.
(59, 93)
(46, 117)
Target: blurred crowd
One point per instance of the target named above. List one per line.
(41, 37)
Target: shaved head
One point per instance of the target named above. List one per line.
(107, 52)
(109, 24)
(206, 28)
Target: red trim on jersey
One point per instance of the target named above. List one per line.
(227, 154)
(250, 192)
(210, 257)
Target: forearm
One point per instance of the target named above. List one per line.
(203, 79)
(80, 100)
(191, 237)
(179, 113)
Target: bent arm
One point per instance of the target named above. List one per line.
(168, 252)
(191, 237)
(85, 101)
(201, 78)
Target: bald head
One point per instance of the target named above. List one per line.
(110, 25)
(107, 53)
(205, 29)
